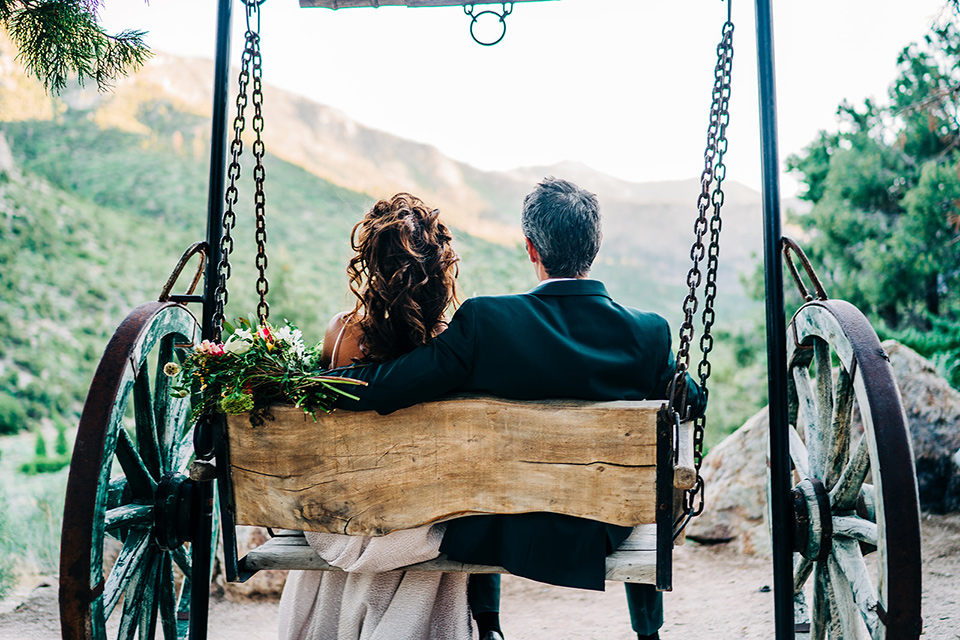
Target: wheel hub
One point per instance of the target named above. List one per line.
(813, 524)
(175, 511)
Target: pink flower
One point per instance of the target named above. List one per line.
(265, 334)
(210, 348)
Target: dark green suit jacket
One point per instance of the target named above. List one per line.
(564, 339)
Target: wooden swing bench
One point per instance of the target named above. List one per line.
(368, 474)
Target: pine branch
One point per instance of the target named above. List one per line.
(58, 38)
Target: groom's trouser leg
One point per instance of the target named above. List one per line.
(483, 593)
(646, 607)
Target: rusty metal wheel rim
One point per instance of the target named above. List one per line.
(821, 333)
(98, 505)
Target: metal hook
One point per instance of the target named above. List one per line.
(790, 245)
(253, 7)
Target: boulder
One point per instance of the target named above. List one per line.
(735, 474)
(933, 415)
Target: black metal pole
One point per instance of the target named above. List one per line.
(202, 548)
(781, 507)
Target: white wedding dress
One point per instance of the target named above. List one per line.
(369, 599)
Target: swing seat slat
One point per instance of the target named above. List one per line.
(634, 561)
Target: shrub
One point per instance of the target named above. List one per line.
(12, 415)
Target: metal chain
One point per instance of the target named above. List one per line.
(231, 195)
(711, 197)
(259, 174)
(250, 65)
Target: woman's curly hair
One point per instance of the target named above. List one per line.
(403, 275)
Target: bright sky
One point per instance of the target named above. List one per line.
(620, 85)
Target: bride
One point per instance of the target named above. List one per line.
(403, 275)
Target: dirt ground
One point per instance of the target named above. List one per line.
(717, 594)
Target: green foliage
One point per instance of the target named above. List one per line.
(8, 579)
(40, 449)
(58, 38)
(257, 366)
(61, 448)
(43, 463)
(12, 415)
(884, 228)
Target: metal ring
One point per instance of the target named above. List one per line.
(473, 23)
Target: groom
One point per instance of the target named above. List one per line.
(564, 339)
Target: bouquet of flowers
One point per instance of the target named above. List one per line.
(257, 366)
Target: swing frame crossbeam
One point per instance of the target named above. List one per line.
(206, 435)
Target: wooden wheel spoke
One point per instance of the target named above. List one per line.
(127, 515)
(125, 570)
(802, 567)
(847, 561)
(822, 440)
(151, 597)
(855, 528)
(798, 454)
(840, 421)
(182, 451)
(183, 560)
(138, 476)
(821, 619)
(807, 418)
(133, 601)
(168, 599)
(179, 445)
(144, 413)
(164, 404)
(844, 494)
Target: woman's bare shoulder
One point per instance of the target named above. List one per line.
(342, 339)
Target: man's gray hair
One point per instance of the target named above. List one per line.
(563, 223)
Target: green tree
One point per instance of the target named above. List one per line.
(884, 228)
(57, 38)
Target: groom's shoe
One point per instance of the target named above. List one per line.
(492, 635)
(654, 636)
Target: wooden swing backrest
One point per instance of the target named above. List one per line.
(367, 474)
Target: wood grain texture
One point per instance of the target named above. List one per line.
(685, 473)
(366, 474)
(633, 561)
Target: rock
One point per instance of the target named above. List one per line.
(735, 473)
(933, 415)
(263, 585)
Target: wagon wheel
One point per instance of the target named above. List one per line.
(857, 530)
(128, 482)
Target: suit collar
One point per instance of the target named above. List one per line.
(570, 288)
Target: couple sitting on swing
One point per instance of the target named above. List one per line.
(566, 338)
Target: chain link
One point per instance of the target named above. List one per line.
(250, 68)
(711, 198)
(259, 175)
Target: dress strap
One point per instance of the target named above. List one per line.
(336, 344)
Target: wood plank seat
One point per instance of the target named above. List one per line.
(634, 561)
(367, 474)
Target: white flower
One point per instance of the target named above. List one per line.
(237, 346)
(293, 338)
(242, 334)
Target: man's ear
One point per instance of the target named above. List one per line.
(532, 252)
